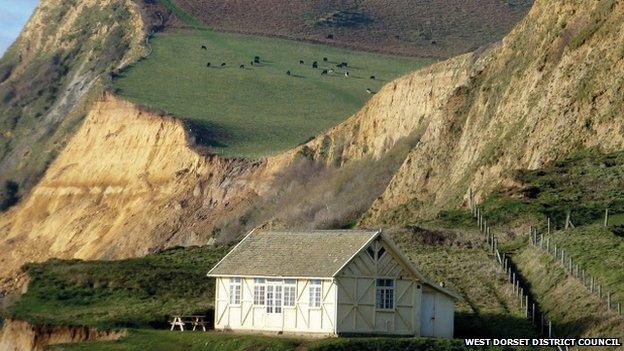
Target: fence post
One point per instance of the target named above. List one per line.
(591, 285)
(567, 223)
(542, 329)
(533, 313)
(548, 225)
(606, 219)
(513, 281)
(548, 245)
(526, 305)
(549, 329)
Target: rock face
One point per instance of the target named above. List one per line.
(127, 182)
(22, 336)
(131, 180)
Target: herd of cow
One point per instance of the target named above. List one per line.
(315, 65)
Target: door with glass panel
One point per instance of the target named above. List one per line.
(274, 300)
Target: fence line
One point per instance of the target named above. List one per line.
(530, 306)
(574, 270)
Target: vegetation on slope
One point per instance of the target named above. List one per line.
(40, 90)
(585, 183)
(572, 309)
(439, 28)
(137, 292)
(257, 110)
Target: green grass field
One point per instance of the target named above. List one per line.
(161, 340)
(136, 292)
(258, 110)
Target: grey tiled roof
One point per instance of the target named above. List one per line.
(293, 253)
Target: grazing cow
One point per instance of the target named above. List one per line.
(330, 36)
(204, 47)
(372, 77)
(324, 59)
(223, 64)
(287, 73)
(257, 59)
(347, 74)
(331, 70)
(368, 90)
(314, 64)
(208, 64)
(242, 66)
(339, 65)
(301, 62)
(324, 72)
(344, 64)
(251, 63)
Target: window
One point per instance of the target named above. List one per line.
(274, 296)
(371, 252)
(235, 291)
(385, 294)
(290, 291)
(259, 291)
(315, 293)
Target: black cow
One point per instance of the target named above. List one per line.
(242, 66)
(301, 62)
(314, 64)
(324, 72)
(330, 36)
(204, 47)
(324, 59)
(344, 64)
(251, 63)
(287, 73)
(208, 64)
(223, 64)
(372, 77)
(257, 59)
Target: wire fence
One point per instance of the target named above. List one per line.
(572, 269)
(519, 285)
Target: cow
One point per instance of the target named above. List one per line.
(251, 63)
(223, 64)
(368, 90)
(208, 64)
(324, 72)
(204, 47)
(344, 64)
(324, 59)
(372, 77)
(301, 62)
(330, 36)
(242, 66)
(256, 59)
(347, 74)
(287, 73)
(314, 64)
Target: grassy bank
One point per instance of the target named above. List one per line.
(136, 292)
(257, 110)
(153, 340)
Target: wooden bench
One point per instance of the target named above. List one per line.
(182, 321)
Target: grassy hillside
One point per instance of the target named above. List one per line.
(441, 28)
(136, 292)
(258, 110)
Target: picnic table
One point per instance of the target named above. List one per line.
(181, 321)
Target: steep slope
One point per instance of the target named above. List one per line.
(440, 28)
(125, 184)
(552, 87)
(59, 61)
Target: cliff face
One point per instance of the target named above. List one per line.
(21, 336)
(129, 181)
(57, 65)
(552, 86)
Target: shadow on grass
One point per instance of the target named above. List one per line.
(491, 325)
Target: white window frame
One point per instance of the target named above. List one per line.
(315, 293)
(235, 291)
(290, 292)
(259, 292)
(384, 294)
(274, 302)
